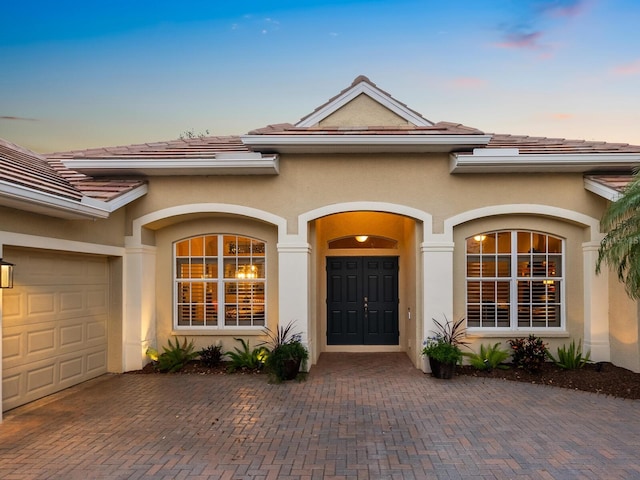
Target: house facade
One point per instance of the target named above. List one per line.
(361, 223)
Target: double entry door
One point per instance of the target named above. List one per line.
(362, 301)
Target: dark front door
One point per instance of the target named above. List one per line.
(362, 301)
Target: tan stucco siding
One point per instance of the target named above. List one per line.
(211, 224)
(624, 326)
(362, 111)
(422, 182)
(108, 231)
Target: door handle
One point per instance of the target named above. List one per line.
(366, 306)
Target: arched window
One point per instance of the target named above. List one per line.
(515, 280)
(220, 281)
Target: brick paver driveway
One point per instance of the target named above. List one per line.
(356, 416)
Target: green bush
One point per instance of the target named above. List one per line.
(246, 358)
(489, 357)
(211, 356)
(571, 358)
(444, 346)
(175, 356)
(284, 347)
(528, 353)
(443, 352)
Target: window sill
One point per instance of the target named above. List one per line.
(516, 333)
(219, 332)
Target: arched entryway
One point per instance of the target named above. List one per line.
(365, 266)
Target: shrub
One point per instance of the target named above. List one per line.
(445, 345)
(246, 358)
(211, 356)
(489, 357)
(284, 347)
(571, 358)
(528, 353)
(174, 357)
(443, 352)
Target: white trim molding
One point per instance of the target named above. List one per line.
(363, 143)
(508, 161)
(140, 222)
(243, 163)
(598, 188)
(522, 209)
(31, 200)
(374, 93)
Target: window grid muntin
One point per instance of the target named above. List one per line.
(203, 259)
(513, 312)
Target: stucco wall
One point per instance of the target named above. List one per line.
(108, 231)
(624, 324)
(423, 182)
(363, 111)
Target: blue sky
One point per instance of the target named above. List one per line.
(85, 74)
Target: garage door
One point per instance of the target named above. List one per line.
(54, 332)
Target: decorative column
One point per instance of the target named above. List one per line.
(596, 305)
(139, 294)
(293, 289)
(437, 268)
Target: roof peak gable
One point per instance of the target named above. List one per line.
(363, 86)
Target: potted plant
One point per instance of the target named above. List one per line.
(443, 349)
(286, 354)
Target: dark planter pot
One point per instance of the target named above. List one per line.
(442, 370)
(290, 369)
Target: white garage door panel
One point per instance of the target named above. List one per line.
(54, 302)
(27, 383)
(55, 318)
(34, 342)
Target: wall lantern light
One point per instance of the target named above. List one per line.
(6, 274)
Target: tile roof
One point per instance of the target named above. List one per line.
(617, 182)
(23, 167)
(440, 128)
(544, 145)
(198, 147)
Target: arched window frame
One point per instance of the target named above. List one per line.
(219, 282)
(516, 283)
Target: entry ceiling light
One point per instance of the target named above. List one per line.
(6, 274)
(362, 238)
(480, 238)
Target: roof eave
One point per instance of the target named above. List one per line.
(603, 191)
(363, 143)
(30, 200)
(542, 163)
(118, 201)
(221, 164)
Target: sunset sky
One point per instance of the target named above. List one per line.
(84, 74)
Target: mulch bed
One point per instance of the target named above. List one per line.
(602, 378)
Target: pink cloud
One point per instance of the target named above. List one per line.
(564, 8)
(561, 116)
(626, 69)
(468, 82)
